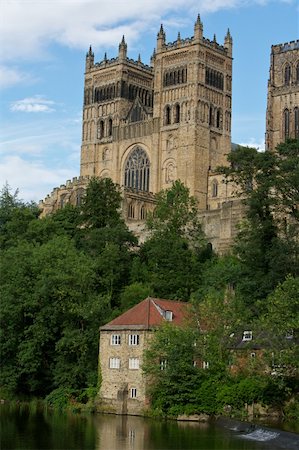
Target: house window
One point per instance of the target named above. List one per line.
(133, 392)
(168, 315)
(205, 364)
(133, 339)
(115, 339)
(114, 363)
(163, 364)
(247, 336)
(133, 363)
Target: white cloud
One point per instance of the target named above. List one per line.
(10, 76)
(33, 104)
(253, 142)
(29, 26)
(33, 179)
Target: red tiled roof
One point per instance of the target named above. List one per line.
(149, 313)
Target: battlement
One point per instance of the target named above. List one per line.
(179, 43)
(115, 61)
(285, 47)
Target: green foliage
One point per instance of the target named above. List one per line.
(267, 244)
(171, 259)
(133, 294)
(101, 204)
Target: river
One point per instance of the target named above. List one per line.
(32, 429)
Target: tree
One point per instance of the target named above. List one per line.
(172, 256)
(101, 204)
(169, 367)
(280, 325)
(50, 314)
(15, 217)
(267, 243)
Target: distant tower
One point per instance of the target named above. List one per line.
(282, 117)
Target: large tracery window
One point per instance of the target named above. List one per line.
(137, 170)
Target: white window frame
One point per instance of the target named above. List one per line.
(114, 363)
(247, 335)
(115, 339)
(168, 315)
(205, 364)
(163, 364)
(134, 339)
(134, 363)
(133, 393)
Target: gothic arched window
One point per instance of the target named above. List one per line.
(137, 170)
(287, 74)
(142, 213)
(286, 123)
(218, 118)
(215, 188)
(101, 129)
(110, 127)
(167, 115)
(177, 113)
(296, 117)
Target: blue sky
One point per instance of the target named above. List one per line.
(42, 57)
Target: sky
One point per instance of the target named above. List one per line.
(43, 44)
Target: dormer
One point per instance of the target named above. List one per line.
(247, 336)
(168, 315)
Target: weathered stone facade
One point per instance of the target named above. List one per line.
(147, 126)
(282, 119)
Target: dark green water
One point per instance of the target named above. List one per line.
(22, 428)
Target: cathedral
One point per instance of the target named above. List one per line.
(145, 126)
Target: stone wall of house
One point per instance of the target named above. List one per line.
(117, 383)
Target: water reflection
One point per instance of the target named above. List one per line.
(136, 433)
(24, 427)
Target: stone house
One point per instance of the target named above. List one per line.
(122, 345)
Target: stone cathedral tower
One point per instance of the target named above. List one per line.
(145, 126)
(282, 120)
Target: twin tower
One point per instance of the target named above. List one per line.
(145, 126)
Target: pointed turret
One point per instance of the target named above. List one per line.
(228, 43)
(198, 29)
(161, 37)
(89, 63)
(179, 38)
(122, 50)
(153, 57)
(139, 59)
